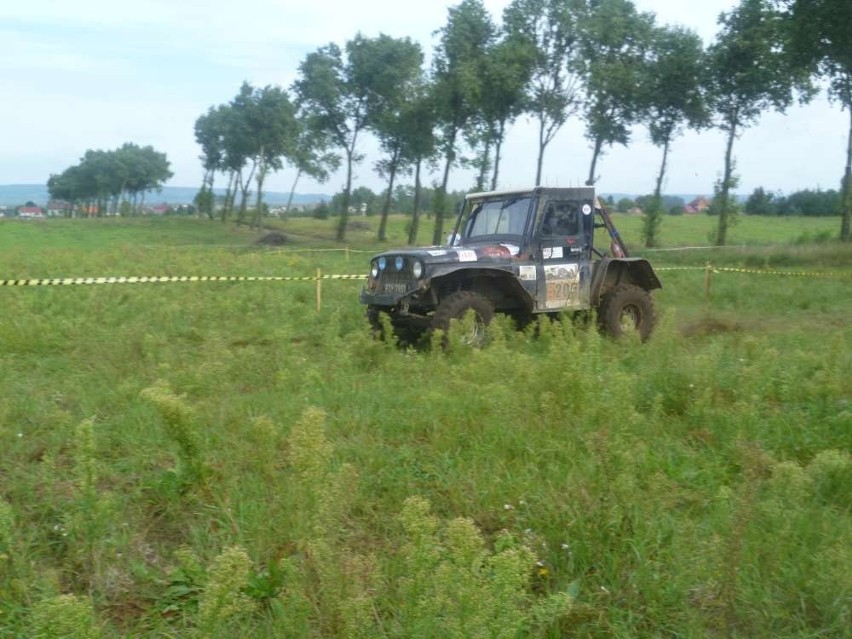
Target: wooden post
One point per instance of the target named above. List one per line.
(708, 276)
(319, 290)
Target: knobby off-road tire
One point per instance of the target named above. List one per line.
(406, 334)
(455, 306)
(627, 308)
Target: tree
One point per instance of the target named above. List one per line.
(506, 69)
(821, 41)
(269, 130)
(104, 178)
(761, 202)
(310, 156)
(420, 146)
(457, 72)
(210, 131)
(390, 71)
(748, 74)
(672, 99)
(615, 42)
(334, 102)
(549, 30)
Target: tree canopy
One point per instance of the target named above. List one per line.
(103, 179)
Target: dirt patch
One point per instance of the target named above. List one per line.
(273, 238)
(710, 326)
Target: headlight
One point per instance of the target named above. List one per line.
(399, 263)
(382, 263)
(374, 270)
(417, 269)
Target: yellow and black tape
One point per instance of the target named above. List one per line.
(724, 269)
(160, 279)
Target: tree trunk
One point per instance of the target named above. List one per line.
(383, 224)
(228, 204)
(654, 214)
(258, 205)
(293, 191)
(846, 201)
(415, 216)
(658, 189)
(347, 192)
(541, 146)
(724, 194)
(441, 202)
(483, 167)
(498, 145)
(595, 155)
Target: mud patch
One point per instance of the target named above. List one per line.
(273, 238)
(710, 326)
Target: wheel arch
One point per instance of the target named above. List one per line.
(614, 272)
(502, 288)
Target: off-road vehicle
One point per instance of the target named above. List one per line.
(516, 252)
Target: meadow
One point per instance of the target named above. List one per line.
(223, 460)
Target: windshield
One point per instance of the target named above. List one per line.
(499, 217)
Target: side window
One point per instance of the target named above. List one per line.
(561, 219)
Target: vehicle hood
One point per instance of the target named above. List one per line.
(458, 253)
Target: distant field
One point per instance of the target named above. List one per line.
(221, 460)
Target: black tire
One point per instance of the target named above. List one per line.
(375, 323)
(626, 308)
(456, 305)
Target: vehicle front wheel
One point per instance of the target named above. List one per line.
(455, 306)
(627, 308)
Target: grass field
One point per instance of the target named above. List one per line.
(222, 460)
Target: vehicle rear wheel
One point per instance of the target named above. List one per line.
(627, 308)
(455, 306)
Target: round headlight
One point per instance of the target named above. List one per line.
(382, 263)
(399, 263)
(374, 270)
(417, 268)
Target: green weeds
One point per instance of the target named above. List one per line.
(194, 460)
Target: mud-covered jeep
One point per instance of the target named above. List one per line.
(516, 252)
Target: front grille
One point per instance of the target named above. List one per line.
(396, 281)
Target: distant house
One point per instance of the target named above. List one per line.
(698, 205)
(30, 213)
(161, 209)
(58, 208)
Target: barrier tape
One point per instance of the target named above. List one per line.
(85, 281)
(724, 269)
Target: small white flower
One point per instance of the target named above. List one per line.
(522, 503)
(528, 531)
(20, 434)
(507, 506)
(565, 547)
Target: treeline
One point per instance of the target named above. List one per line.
(601, 61)
(111, 182)
(807, 202)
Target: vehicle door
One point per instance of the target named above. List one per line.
(564, 232)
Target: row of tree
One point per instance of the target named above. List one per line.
(551, 60)
(105, 181)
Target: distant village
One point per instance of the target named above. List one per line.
(60, 208)
(63, 209)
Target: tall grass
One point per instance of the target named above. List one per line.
(191, 460)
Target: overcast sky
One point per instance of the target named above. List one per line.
(97, 73)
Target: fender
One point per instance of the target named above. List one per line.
(626, 270)
(457, 277)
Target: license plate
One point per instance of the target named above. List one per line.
(395, 288)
